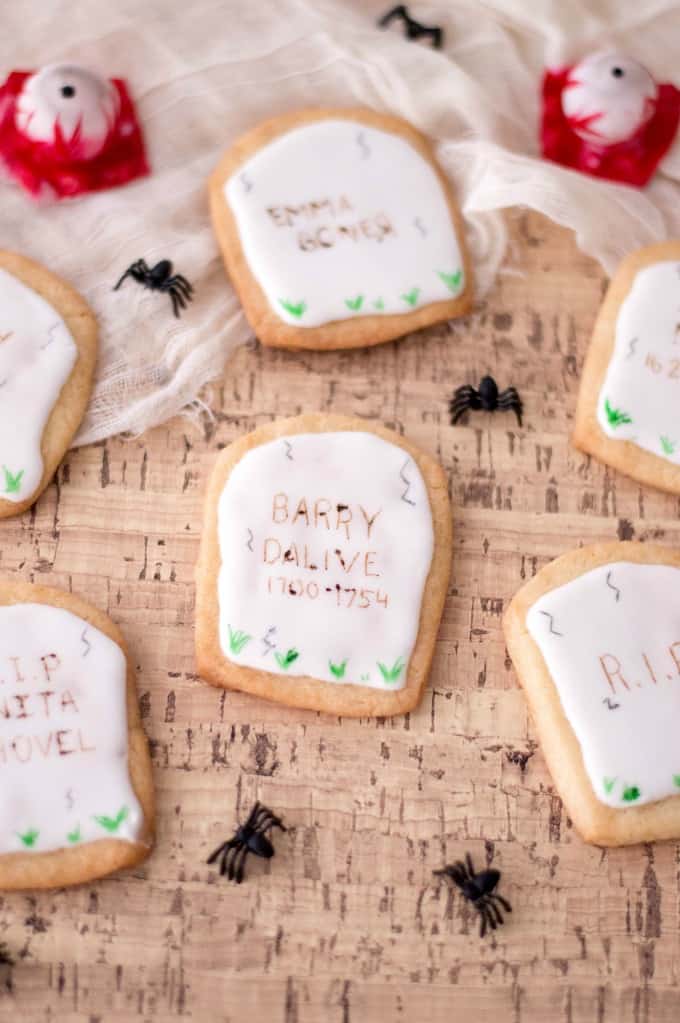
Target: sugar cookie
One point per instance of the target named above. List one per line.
(48, 350)
(627, 414)
(339, 230)
(323, 569)
(76, 775)
(595, 639)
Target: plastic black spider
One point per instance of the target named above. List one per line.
(414, 29)
(160, 278)
(487, 397)
(250, 837)
(479, 890)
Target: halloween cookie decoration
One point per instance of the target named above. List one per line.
(487, 397)
(338, 230)
(413, 29)
(65, 130)
(606, 116)
(160, 278)
(77, 794)
(595, 640)
(251, 837)
(323, 569)
(627, 414)
(48, 351)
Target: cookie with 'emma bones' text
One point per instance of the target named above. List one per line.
(323, 569)
(48, 351)
(76, 791)
(627, 414)
(595, 640)
(339, 230)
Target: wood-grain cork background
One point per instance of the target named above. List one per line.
(346, 924)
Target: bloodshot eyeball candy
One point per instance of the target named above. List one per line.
(608, 117)
(66, 130)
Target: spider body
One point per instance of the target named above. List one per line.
(486, 397)
(479, 889)
(413, 29)
(250, 837)
(160, 278)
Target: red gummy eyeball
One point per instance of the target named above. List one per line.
(608, 97)
(607, 116)
(71, 102)
(65, 130)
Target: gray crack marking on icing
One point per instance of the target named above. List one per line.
(266, 639)
(419, 225)
(631, 347)
(85, 641)
(552, 623)
(289, 449)
(405, 479)
(51, 340)
(611, 586)
(249, 544)
(363, 145)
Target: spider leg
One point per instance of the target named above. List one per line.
(231, 859)
(139, 267)
(470, 866)
(493, 910)
(504, 902)
(182, 284)
(462, 870)
(482, 920)
(462, 392)
(269, 820)
(458, 409)
(220, 849)
(239, 865)
(175, 305)
(510, 399)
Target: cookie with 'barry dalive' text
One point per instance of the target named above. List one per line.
(595, 640)
(76, 791)
(48, 351)
(324, 564)
(339, 230)
(627, 414)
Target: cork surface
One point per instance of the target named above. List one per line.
(345, 924)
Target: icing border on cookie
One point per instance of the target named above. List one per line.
(330, 240)
(336, 530)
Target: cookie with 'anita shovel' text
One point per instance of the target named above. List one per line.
(77, 794)
(629, 402)
(339, 230)
(48, 351)
(595, 640)
(324, 564)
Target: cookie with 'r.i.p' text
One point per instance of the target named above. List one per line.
(76, 791)
(48, 352)
(627, 414)
(324, 564)
(339, 230)
(595, 640)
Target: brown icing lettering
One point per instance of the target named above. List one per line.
(612, 672)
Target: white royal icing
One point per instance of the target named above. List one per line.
(71, 100)
(338, 220)
(326, 541)
(37, 354)
(640, 396)
(608, 97)
(63, 733)
(611, 641)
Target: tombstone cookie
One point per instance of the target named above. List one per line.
(48, 351)
(627, 414)
(339, 230)
(76, 800)
(595, 640)
(323, 569)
